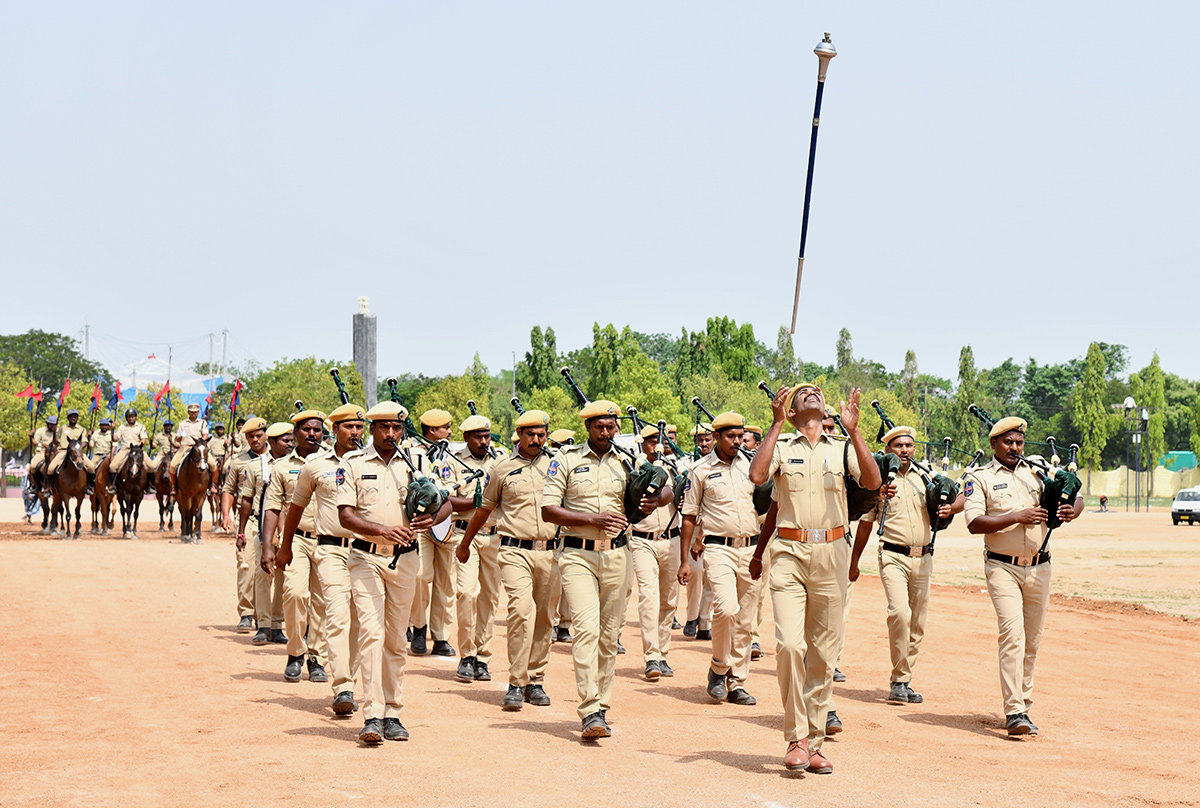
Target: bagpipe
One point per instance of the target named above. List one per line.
(762, 493)
(939, 489)
(344, 398)
(678, 475)
(644, 480)
(1060, 486)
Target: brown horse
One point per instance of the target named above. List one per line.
(102, 499)
(214, 491)
(70, 483)
(37, 481)
(194, 478)
(131, 490)
(164, 494)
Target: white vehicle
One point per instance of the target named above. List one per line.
(1186, 506)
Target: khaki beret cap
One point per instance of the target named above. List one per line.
(701, 429)
(899, 432)
(649, 431)
(475, 423)
(1008, 425)
(757, 430)
(253, 425)
(727, 420)
(278, 429)
(533, 418)
(304, 415)
(387, 411)
(435, 418)
(597, 409)
(562, 435)
(347, 412)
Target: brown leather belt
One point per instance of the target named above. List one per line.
(812, 536)
(907, 550)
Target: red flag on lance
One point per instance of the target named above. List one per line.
(30, 392)
(162, 392)
(96, 394)
(66, 391)
(233, 399)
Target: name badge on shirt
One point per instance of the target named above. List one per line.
(713, 476)
(798, 460)
(999, 486)
(582, 469)
(514, 473)
(370, 476)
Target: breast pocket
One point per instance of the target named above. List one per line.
(794, 478)
(581, 484)
(368, 495)
(517, 491)
(719, 491)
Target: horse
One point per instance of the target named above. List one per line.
(102, 499)
(162, 492)
(214, 492)
(37, 482)
(70, 483)
(193, 481)
(131, 490)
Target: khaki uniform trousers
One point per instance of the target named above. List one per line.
(656, 566)
(185, 443)
(700, 597)
(806, 595)
(762, 593)
(594, 583)
(735, 598)
(433, 604)
(268, 591)
(118, 461)
(341, 622)
(478, 596)
(527, 575)
(152, 464)
(304, 602)
(906, 583)
(245, 571)
(36, 460)
(559, 608)
(382, 599)
(1020, 596)
(56, 461)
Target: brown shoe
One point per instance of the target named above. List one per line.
(819, 764)
(797, 755)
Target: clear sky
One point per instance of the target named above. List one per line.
(1019, 176)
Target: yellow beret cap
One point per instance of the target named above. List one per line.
(597, 409)
(562, 435)
(253, 425)
(649, 431)
(899, 432)
(435, 418)
(1008, 425)
(387, 411)
(672, 429)
(726, 420)
(304, 415)
(533, 418)
(757, 430)
(328, 425)
(515, 438)
(701, 429)
(279, 428)
(475, 423)
(347, 412)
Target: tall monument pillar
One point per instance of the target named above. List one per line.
(364, 350)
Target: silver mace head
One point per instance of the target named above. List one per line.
(824, 51)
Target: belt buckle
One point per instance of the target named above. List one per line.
(915, 552)
(1024, 561)
(816, 535)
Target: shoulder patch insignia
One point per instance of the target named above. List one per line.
(341, 476)
(445, 472)
(487, 478)
(553, 470)
(687, 486)
(968, 488)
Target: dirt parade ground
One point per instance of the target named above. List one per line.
(131, 687)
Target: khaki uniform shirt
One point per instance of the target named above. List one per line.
(907, 520)
(101, 443)
(317, 485)
(128, 435)
(233, 477)
(377, 489)
(580, 480)
(252, 481)
(448, 472)
(723, 494)
(282, 487)
(44, 438)
(196, 430)
(66, 433)
(994, 491)
(217, 447)
(163, 444)
(664, 515)
(809, 483)
(514, 495)
(240, 443)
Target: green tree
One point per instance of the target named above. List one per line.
(560, 405)
(15, 421)
(1091, 414)
(909, 379)
(895, 409)
(272, 393)
(781, 364)
(845, 349)
(605, 358)
(965, 426)
(49, 358)
(1195, 439)
(541, 362)
(1154, 398)
(451, 394)
(731, 346)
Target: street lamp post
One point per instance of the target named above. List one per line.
(1130, 405)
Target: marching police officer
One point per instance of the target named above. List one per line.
(268, 583)
(653, 550)
(433, 604)
(254, 436)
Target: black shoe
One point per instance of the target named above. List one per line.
(393, 730)
(620, 648)
(595, 727)
(442, 648)
(833, 724)
(562, 634)
(262, 637)
(481, 672)
(740, 696)
(716, 685)
(535, 695)
(291, 671)
(653, 671)
(466, 669)
(372, 732)
(1019, 724)
(408, 634)
(278, 637)
(316, 671)
(689, 628)
(703, 634)
(344, 704)
(756, 651)
(898, 693)
(245, 625)
(514, 699)
(675, 624)
(916, 698)
(664, 668)
(838, 676)
(418, 646)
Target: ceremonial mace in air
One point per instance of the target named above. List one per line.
(824, 51)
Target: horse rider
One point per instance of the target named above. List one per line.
(126, 436)
(190, 431)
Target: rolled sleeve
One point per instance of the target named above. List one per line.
(693, 493)
(556, 482)
(275, 493)
(975, 504)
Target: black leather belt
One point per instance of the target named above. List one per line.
(527, 544)
(462, 524)
(1019, 561)
(332, 541)
(730, 541)
(381, 549)
(907, 550)
(305, 534)
(590, 544)
(673, 533)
